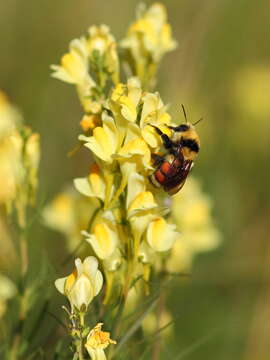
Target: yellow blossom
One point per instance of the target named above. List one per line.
(97, 341)
(74, 66)
(82, 284)
(161, 235)
(127, 97)
(104, 141)
(93, 185)
(103, 239)
(154, 113)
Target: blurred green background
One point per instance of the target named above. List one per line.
(220, 71)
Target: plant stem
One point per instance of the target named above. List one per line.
(23, 252)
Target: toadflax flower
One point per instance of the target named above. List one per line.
(83, 284)
(97, 341)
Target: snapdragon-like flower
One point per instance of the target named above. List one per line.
(94, 185)
(83, 284)
(104, 141)
(103, 239)
(97, 341)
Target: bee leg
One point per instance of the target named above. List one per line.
(157, 159)
(168, 144)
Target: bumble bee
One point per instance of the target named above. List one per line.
(173, 168)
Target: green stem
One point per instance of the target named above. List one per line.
(23, 253)
(80, 341)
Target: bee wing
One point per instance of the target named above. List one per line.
(177, 182)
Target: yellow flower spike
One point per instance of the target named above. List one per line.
(148, 39)
(82, 284)
(104, 142)
(97, 341)
(161, 235)
(102, 41)
(93, 185)
(103, 239)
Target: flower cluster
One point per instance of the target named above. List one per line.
(19, 160)
(147, 40)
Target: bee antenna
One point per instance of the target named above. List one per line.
(196, 122)
(184, 111)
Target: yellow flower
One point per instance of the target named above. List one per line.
(82, 284)
(141, 211)
(74, 65)
(93, 185)
(104, 239)
(7, 291)
(154, 113)
(104, 141)
(161, 235)
(127, 97)
(97, 341)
